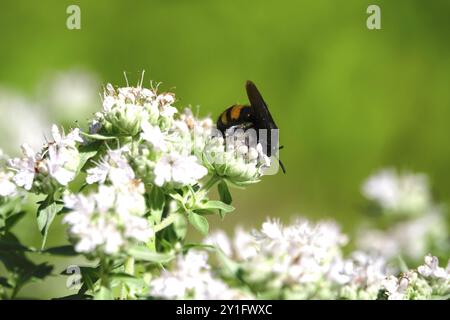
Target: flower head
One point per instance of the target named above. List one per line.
(178, 169)
(192, 279)
(398, 193)
(107, 221)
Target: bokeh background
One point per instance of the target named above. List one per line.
(348, 100)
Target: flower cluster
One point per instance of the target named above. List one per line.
(429, 281)
(413, 224)
(300, 261)
(192, 278)
(54, 166)
(110, 218)
(399, 194)
(358, 277)
(233, 158)
(292, 261)
(128, 188)
(146, 145)
(7, 186)
(107, 220)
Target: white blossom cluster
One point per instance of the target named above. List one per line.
(397, 193)
(108, 219)
(233, 158)
(142, 144)
(7, 187)
(172, 148)
(427, 282)
(158, 148)
(358, 277)
(294, 261)
(416, 226)
(55, 165)
(192, 278)
(300, 261)
(20, 121)
(411, 239)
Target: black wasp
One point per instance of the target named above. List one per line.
(254, 116)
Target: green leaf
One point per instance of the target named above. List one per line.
(4, 283)
(215, 204)
(104, 294)
(199, 222)
(224, 192)
(46, 212)
(89, 277)
(67, 251)
(177, 196)
(9, 214)
(75, 297)
(125, 278)
(180, 226)
(189, 246)
(86, 153)
(13, 219)
(225, 196)
(96, 136)
(10, 245)
(42, 270)
(145, 254)
(157, 201)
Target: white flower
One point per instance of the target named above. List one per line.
(108, 103)
(63, 157)
(168, 111)
(279, 256)
(69, 140)
(113, 166)
(220, 240)
(361, 276)
(153, 135)
(107, 220)
(407, 193)
(70, 94)
(179, 169)
(56, 162)
(7, 187)
(192, 279)
(236, 161)
(410, 238)
(165, 99)
(396, 288)
(431, 269)
(21, 121)
(272, 229)
(25, 168)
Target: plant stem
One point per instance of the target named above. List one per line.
(129, 268)
(211, 182)
(166, 222)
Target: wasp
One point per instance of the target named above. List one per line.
(255, 116)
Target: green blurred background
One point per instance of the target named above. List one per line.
(348, 100)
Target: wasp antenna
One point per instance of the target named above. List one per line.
(282, 166)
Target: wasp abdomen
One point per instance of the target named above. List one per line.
(236, 115)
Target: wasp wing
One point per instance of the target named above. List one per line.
(262, 117)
